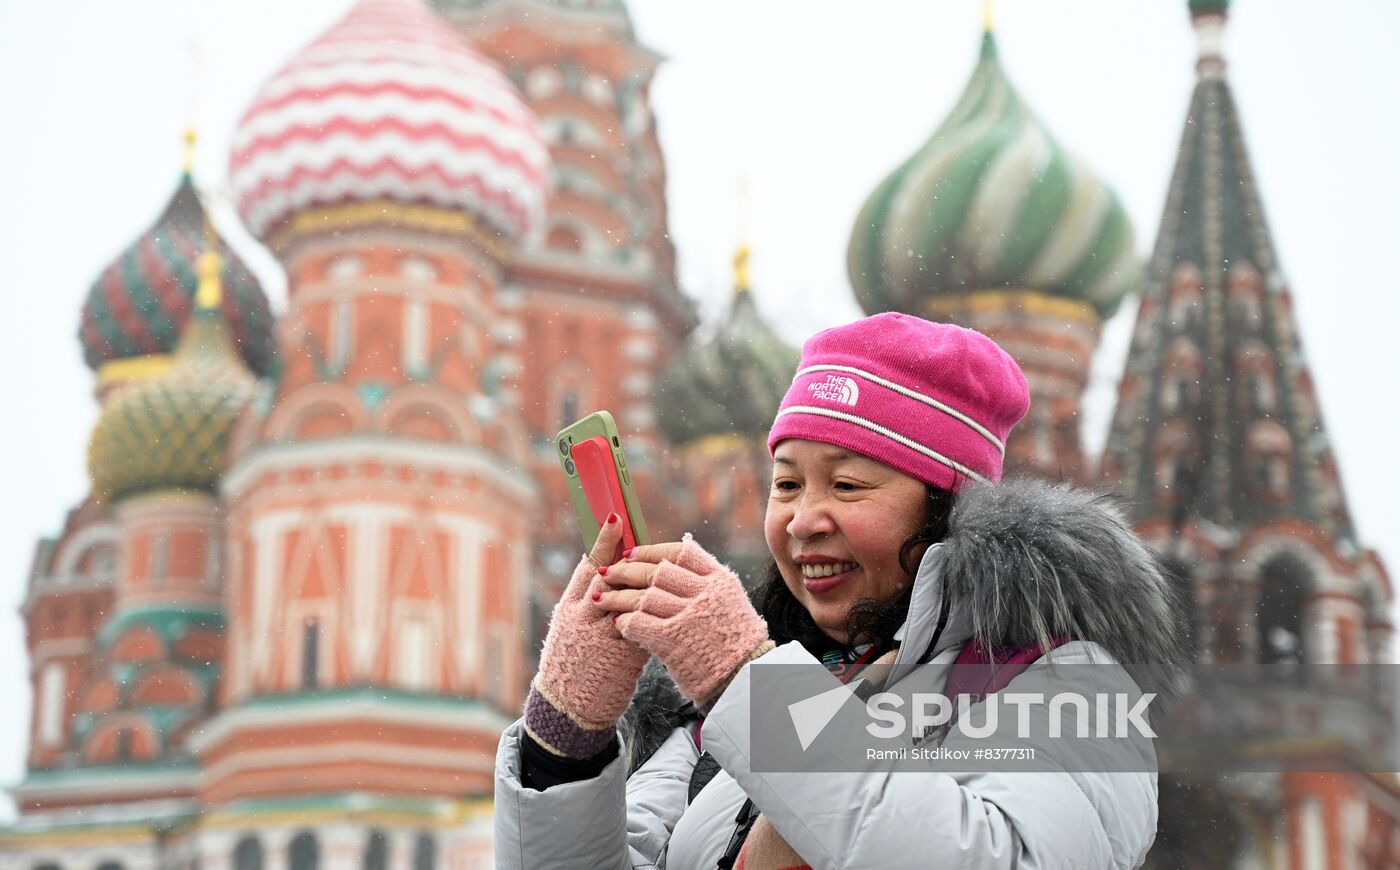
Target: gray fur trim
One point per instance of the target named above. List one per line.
(657, 709)
(1028, 560)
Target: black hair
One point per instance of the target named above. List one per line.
(870, 620)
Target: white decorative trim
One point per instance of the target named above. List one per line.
(91, 783)
(267, 534)
(437, 759)
(337, 708)
(919, 397)
(461, 459)
(382, 286)
(77, 546)
(49, 701)
(888, 433)
(638, 383)
(94, 816)
(415, 334)
(643, 319)
(639, 348)
(60, 647)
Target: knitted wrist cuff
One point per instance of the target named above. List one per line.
(709, 702)
(558, 732)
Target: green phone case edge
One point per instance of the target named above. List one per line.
(599, 423)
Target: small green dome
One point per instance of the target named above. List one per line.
(141, 302)
(172, 431)
(731, 384)
(1200, 7)
(991, 201)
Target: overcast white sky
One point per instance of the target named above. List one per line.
(814, 100)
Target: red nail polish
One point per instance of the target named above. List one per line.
(627, 553)
(612, 518)
(603, 571)
(597, 596)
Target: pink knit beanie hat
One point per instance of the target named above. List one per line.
(932, 400)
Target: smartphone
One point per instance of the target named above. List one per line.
(590, 452)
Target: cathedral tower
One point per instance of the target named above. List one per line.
(124, 611)
(599, 313)
(722, 395)
(1218, 443)
(992, 225)
(1218, 435)
(380, 506)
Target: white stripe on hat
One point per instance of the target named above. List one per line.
(888, 433)
(905, 391)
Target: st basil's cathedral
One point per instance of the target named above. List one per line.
(304, 594)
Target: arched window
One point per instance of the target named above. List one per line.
(425, 853)
(304, 853)
(310, 653)
(564, 238)
(248, 854)
(1284, 583)
(377, 851)
(1261, 392)
(568, 408)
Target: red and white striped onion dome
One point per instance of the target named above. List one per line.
(390, 104)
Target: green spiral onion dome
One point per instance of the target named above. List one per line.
(172, 431)
(140, 303)
(991, 201)
(731, 384)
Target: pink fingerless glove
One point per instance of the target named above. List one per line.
(588, 673)
(697, 619)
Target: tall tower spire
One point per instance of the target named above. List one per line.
(1218, 442)
(1218, 437)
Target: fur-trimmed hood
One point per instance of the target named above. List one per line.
(1024, 561)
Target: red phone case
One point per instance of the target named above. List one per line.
(601, 487)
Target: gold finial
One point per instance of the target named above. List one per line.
(989, 17)
(741, 268)
(190, 137)
(209, 294)
(741, 255)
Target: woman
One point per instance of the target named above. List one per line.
(888, 539)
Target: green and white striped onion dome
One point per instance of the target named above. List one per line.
(730, 385)
(172, 431)
(991, 201)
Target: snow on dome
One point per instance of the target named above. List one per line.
(390, 104)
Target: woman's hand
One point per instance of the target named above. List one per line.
(682, 606)
(588, 672)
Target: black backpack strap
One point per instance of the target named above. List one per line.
(743, 823)
(705, 769)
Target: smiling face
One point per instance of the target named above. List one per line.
(835, 523)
